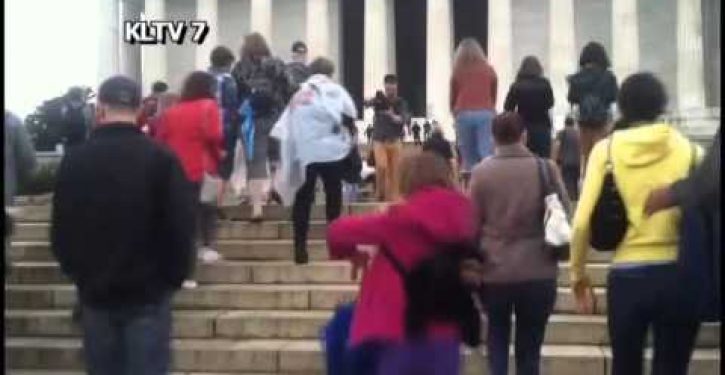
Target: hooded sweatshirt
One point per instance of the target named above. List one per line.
(644, 158)
(410, 231)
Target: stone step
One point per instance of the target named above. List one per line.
(230, 249)
(291, 324)
(268, 230)
(41, 213)
(258, 272)
(246, 297)
(305, 357)
(33, 250)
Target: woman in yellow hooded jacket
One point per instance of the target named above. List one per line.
(642, 281)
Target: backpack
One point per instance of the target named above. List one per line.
(435, 292)
(267, 85)
(609, 221)
(592, 109)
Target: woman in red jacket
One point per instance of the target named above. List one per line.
(433, 213)
(193, 130)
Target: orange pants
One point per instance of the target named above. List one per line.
(387, 162)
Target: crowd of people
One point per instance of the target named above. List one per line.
(147, 184)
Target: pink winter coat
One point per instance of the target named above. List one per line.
(410, 231)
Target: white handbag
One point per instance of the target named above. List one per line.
(210, 189)
(557, 229)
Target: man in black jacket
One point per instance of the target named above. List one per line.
(121, 230)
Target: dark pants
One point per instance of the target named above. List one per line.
(532, 303)
(539, 141)
(206, 219)
(331, 175)
(642, 297)
(130, 340)
(570, 174)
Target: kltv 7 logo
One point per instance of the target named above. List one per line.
(158, 32)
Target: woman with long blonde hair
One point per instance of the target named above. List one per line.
(473, 102)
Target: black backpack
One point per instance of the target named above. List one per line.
(267, 85)
(592, 109)
(609, 221)
(434, 292)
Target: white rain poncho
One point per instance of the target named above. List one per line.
(310, 131)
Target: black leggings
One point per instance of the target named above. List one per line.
(331, 175)
(531, 302)
(206, 217)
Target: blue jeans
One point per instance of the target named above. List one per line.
(643, 297)
(131, 340)
(473, 134)
(532, 302)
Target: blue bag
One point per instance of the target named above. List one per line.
(335, 337)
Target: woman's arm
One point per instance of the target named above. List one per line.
(511, 100)
(453, 95)
(346, 233)
(587, 200)
(548, 96)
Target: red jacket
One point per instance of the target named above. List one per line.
(410, 231)
(193, 130)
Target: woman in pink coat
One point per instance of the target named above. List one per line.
(432, 213)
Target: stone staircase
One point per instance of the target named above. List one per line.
(258, 313)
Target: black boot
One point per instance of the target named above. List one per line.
(301, 256)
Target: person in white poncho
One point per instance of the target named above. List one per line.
(316, 133)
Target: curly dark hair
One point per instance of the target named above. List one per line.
(221, 57)
(594, 53)
(198, 85)
(642, 97)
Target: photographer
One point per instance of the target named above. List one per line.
(391, 112)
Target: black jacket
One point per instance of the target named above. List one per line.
(532, 98)
(122, 219)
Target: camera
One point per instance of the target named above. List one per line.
(379, 103)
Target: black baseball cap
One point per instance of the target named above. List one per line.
(299, 47)
(120, 91)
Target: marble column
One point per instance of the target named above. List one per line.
(500, 40)
(207, 10)
(562, 54)
(376, 48)
(625, 38)
(318, 29)
(439, 58)
(153, 57)
(690, 72)
(261, 18)
(109, 39)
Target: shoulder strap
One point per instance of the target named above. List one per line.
(693, 157)
(609, 166)
(394, 261)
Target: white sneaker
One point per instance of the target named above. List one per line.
(209, 255)
(189, 284)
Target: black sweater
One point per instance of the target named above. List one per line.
(532, 98)
(122, 219)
